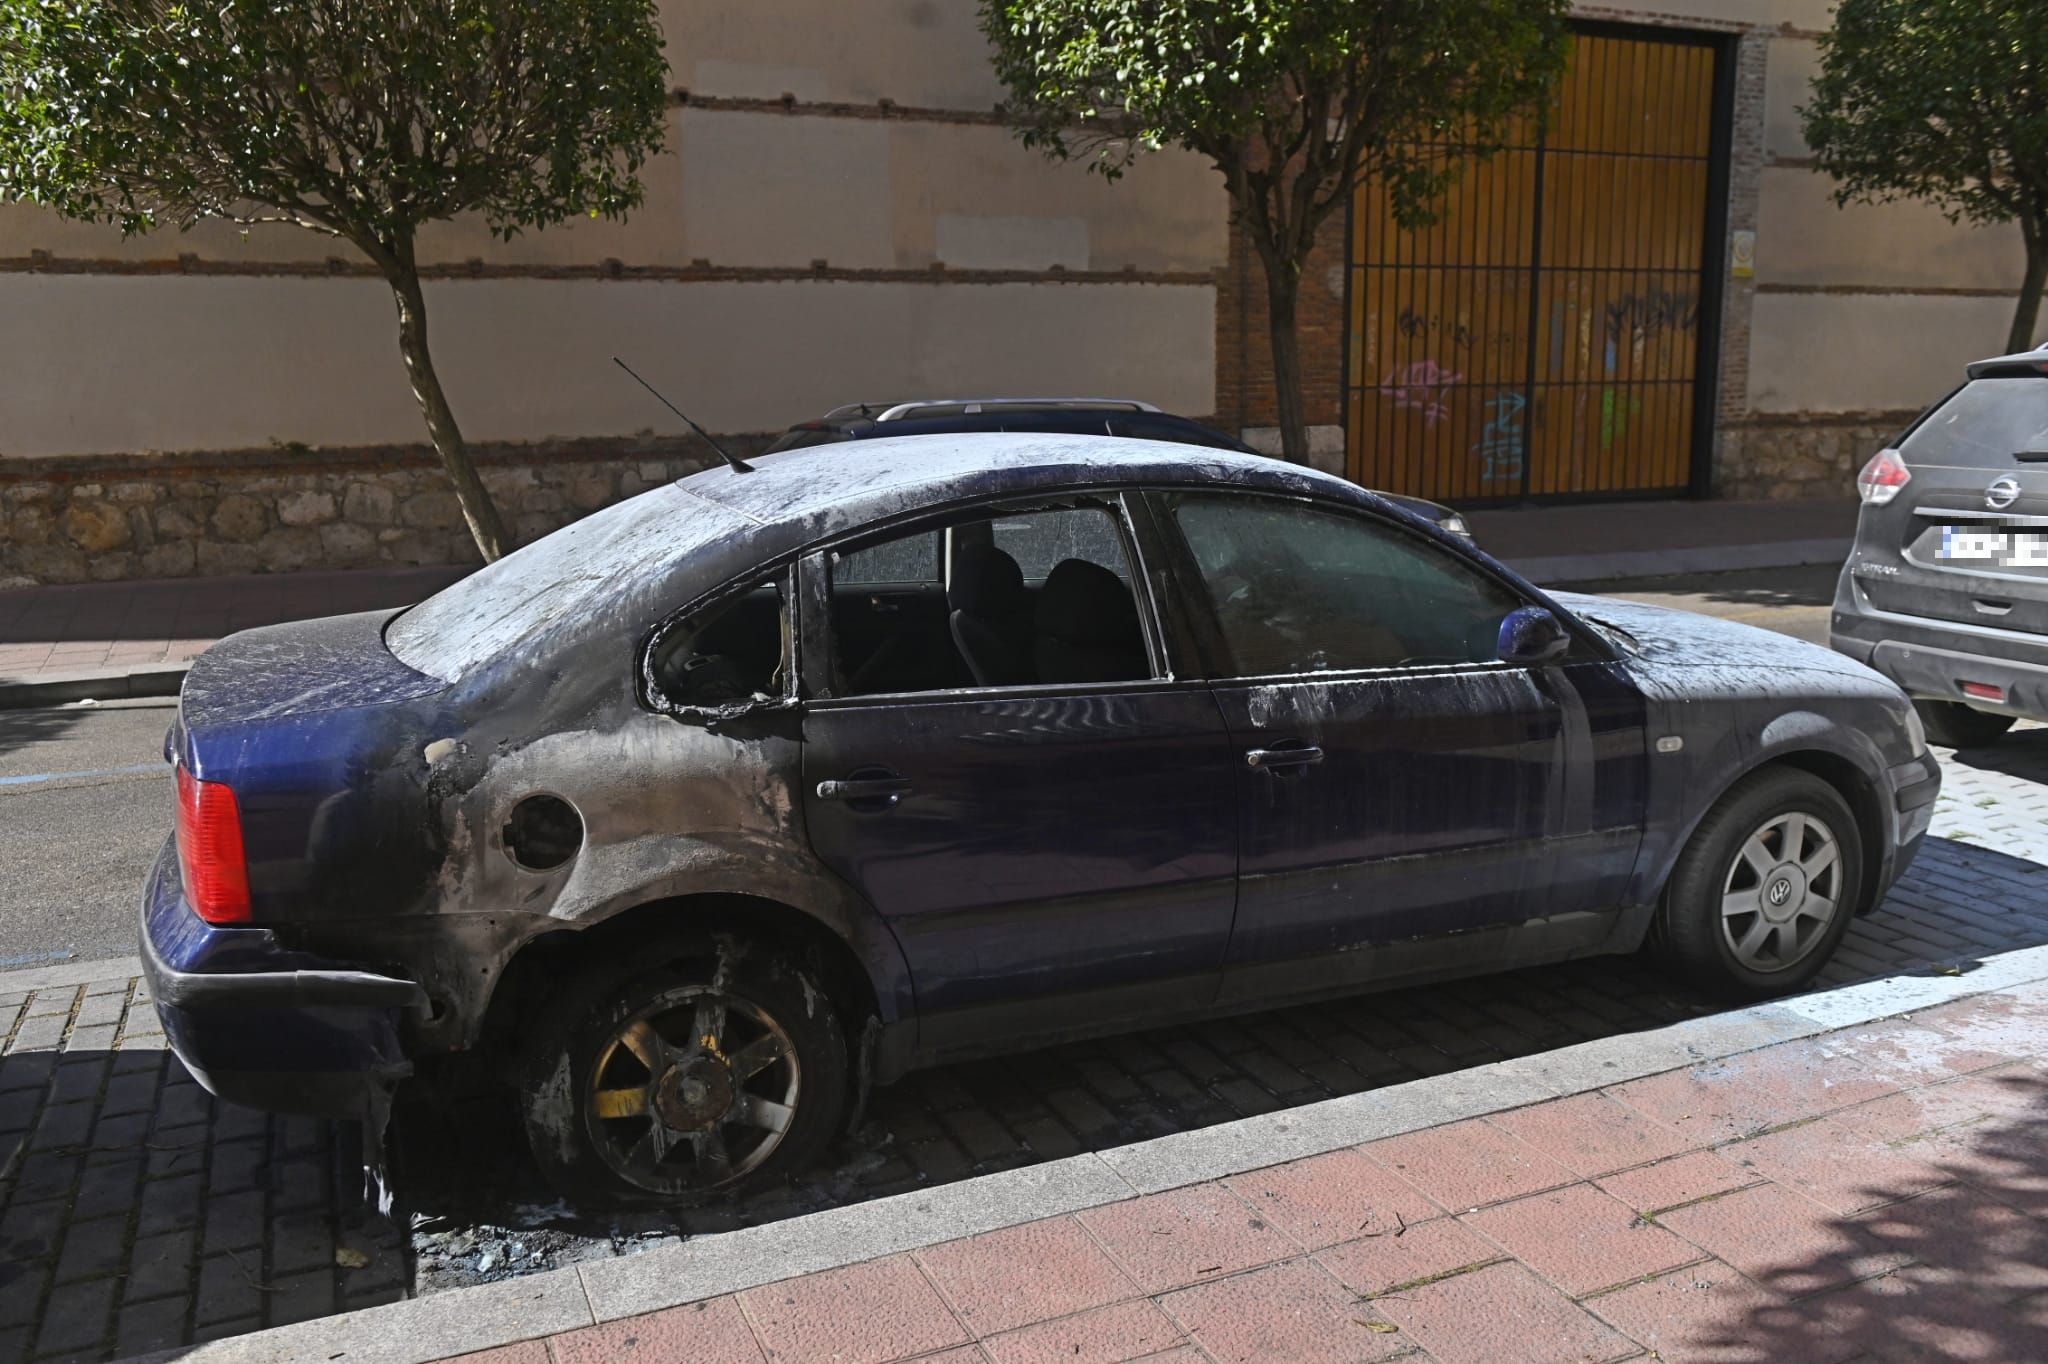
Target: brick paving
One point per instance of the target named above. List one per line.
(137, 1212)
(1893, 1215)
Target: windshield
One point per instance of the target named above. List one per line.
(552, 579)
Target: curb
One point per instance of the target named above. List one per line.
(70, 973)
(102, 684)
(1553, 569)
(466, 1320)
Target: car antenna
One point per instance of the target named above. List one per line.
(739, 466)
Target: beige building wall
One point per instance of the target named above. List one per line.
(840, 216)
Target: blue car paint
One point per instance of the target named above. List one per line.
(375, 793)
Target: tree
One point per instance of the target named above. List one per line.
(360, 119)
(1297, 102)
(1947, 101)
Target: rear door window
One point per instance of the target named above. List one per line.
(1988, 424)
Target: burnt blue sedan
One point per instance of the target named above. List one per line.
(694, 819)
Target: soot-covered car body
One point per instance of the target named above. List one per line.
(707, 811)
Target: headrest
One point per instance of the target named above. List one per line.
(1087, 604)
(986, 582)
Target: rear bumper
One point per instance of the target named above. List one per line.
(1932, 659)
(264, 1026)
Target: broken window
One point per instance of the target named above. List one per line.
(734, 650)
(1033, 596)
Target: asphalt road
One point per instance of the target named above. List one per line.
(85, 800)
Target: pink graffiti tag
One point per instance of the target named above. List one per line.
(1420, 386)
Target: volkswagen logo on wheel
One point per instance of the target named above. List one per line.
(2002, 493)
(1780, 892)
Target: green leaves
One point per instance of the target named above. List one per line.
(359, 118)
(1944, 100)
(1330, 90)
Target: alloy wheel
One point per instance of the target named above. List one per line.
(1782, 891)
(692, 1092)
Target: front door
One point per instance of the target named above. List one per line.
(1408, 804)
(1045, 820)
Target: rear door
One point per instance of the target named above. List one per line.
(1965, 540)
(1050, 853)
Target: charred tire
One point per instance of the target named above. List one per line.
(722, 1070)
(1955, 725)
(1765, 889)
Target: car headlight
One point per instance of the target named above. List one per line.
(1455, 524)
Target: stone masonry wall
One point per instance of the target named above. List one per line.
(1775, 458)
(65, 521)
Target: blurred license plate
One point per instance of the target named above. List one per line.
(2006, 548)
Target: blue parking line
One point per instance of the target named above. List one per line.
(35, 777)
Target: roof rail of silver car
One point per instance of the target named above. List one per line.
(973, 406)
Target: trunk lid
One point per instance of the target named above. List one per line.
(317, 729)
(1979, 466)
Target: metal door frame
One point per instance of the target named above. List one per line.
(1713, 274)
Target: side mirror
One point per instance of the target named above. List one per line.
(1531, 635)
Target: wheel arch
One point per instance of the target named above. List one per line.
(847, 975)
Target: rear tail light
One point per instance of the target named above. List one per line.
(1984, 691)
(1882, 478)
(210, 850)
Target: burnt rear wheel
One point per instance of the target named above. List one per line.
(1954, 725)
(725, 1069)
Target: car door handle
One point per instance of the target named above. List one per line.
(1283, 757)
(890, 788)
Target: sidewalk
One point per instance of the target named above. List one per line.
(111, 640)
(1869, 1194)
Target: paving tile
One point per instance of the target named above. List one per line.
(1916, 1112)
(1468, 1164)
(1332, 1197)
(1835, 1165)
(1426, 1250)
(525, 1352)
(1911, 1054)
(2004, 1021)
(1964, 1235)
(1501, 1315)
(1911, 1317)
(1034, 1272)
(1127, 1330)
(1592, 1134)
(1581, 1239)
(712, 1332)
(1709, 1314)
(1291, 1311)
(1746, 1094)
(1652, 1188)
(1781, 1239)
(861, 1314)
(1181, 1237)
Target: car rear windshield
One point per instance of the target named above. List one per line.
(1986, 424)
(552, 579)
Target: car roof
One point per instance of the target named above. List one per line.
(849, 486)
(668, 544)
(2020, 363)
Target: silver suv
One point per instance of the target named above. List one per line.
(1946, 590)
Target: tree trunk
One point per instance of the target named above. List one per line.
(485, 526)
(1283, 287)
(2026, 314)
